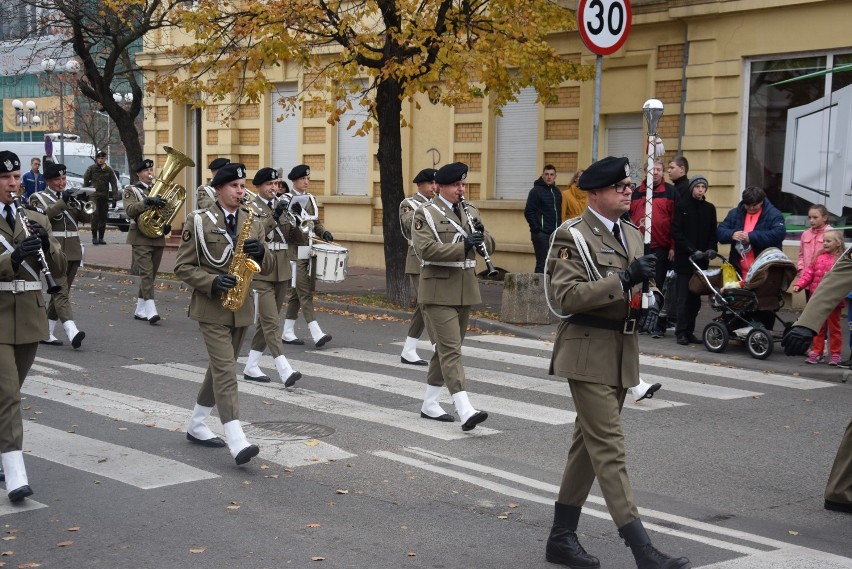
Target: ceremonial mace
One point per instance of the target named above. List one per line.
(653, 112)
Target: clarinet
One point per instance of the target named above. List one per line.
(481, 249)
(52, 287)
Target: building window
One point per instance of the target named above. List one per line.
(516, 147)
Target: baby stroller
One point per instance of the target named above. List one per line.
(762, 289)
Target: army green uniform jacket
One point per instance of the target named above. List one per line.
(63, 221)
(406, 218)
(103, 179)
(279, 234)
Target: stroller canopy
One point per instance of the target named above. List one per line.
(769, 276)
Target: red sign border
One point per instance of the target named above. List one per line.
(587, 39)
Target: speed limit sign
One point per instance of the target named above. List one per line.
(604, 24)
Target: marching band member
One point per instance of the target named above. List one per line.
(147, 251)
(63, 220)
(205, 196)
(303, 293)
(271, 289)
(22, 313)
(203, 259)
(445, 241)
(425, 181)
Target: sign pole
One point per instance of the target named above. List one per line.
(596, 119)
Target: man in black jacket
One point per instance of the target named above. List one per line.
(679, 175)
(544, 213)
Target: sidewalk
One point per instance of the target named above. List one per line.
(116, 255)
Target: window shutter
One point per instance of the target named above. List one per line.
(516, 147)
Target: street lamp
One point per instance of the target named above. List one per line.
(26, 117)
(71, 66)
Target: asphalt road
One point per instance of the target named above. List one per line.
(728, 465)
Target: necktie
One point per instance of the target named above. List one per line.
(232, 224)
(269, 203)
(10, 219)
(616, 231)
(457, 211)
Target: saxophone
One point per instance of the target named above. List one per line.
(242, 267)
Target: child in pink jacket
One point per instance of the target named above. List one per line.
(810, 244)
(832, 247)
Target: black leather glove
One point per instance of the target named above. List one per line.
(327, 236)
(254, 249)
(156, 201)
(797, 340)
(26, 248)
(296, 208)
(279, 210)
(477, 225)
(473, 240)
(40, 232)
(66, 195)
(223, 283)
(640, 270)
(167, 230)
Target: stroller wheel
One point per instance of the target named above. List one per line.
(716, 337)
(760, 343)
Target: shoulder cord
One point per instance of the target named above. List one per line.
(591, 270)
(202, 245)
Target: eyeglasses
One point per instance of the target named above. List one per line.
(621, 188)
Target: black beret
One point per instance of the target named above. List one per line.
(9, 162)
(218, 163)
(450, 173)
(265, 175)
(101, 154)
(604, 173)
(228, 173)
(144, 165)
(54, 171)
(425, 175)
(699, 179)
(299, 171)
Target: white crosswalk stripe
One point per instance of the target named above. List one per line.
(323, 403)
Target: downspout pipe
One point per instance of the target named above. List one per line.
(682, 121)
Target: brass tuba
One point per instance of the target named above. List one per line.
(152, 221)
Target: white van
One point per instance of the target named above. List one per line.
(78, 155)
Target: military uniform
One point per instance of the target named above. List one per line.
(22, 311)
(205, 251)
(302, 295)
(448, 287)
(412, 269)
(834, 286)
(271, 290)
(205, 197)
(103, 179)
(63, 221)
(147, 252)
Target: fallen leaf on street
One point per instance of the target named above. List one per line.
(317, 558)
(311, 443)
(502, 517)
(75, 528)
(265, 402)
(264, 467)
(512, 505)
(271, 476)
(29, 565)
(313, 526)
(412, 554)
(122, 428)
(64, 543)
(793, 532)
(339, 491)
(7, 553)
(11, 537)
(233, 506)
(197, 549)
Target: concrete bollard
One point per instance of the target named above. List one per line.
(523, 300)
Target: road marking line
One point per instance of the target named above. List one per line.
(57, 363)
(137, 410)
(326, 403)
(523, 495)
(501, 378)
(790, 556)
(7, 508)
(136, 468)
(699, 389)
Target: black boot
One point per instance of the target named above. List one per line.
(563, 547)
(647, 556)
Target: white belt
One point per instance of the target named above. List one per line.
(66, 234)
(19, 286)
(466, 264)
(277, 246)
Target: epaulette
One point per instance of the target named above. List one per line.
(571, 222)
(630, 223)
(202, 210)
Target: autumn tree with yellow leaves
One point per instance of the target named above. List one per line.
(472, 48)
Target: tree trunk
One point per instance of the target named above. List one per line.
(130, 139)
(388, 110)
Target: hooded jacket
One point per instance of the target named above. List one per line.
(544, 207)
(768, 232)
(693, 229)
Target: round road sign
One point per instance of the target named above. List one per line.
(604, 24)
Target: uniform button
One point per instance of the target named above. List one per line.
(611, 297)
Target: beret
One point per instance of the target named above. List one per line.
(451, 173)
(425, 175)
(54, 171)
(100, 154)
(699, 179)
(218, 163)
(228, 173)
(299, 171)
(9, 162)
(604, 173)
(265, 175)
(144, 164)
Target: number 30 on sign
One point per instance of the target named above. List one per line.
(604, 24)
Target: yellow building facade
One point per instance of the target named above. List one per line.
(712, 64)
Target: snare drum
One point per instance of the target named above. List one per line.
(331, 262)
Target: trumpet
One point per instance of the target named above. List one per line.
(481, 249)
(85, 207)
(52, 287)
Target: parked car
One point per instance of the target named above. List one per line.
(116, 217)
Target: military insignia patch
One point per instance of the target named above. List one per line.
(186, 235)
(406, 209)
(127, 194)
(564, 253)
(418, 225)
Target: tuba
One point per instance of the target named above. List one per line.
(152, 221)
